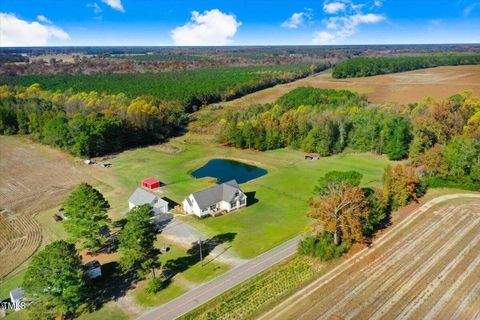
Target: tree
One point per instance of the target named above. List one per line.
(353, 178)
(401, 185)
(378, 215)
(396, 136)
(339, 211)
(55, 281)
(86, 217)
(136, 240)
(462, 157)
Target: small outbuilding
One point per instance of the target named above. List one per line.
(312, 156)
(141, 197)
(93, 269)
(151, 183)
(16, 297)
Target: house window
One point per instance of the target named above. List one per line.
(242, 202)
(233, 204)
(213, 207)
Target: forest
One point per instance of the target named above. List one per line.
(370, 66)
(442, 138)
(88, 124)
(192, 88)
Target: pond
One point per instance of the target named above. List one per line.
(225, 170)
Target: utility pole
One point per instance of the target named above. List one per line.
(201, 256)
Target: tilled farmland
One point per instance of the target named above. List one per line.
(428, 270)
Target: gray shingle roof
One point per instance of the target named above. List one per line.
(225, 191)
(141, 196)
(17, 293)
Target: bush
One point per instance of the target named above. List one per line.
(322, 247)
(155, 285)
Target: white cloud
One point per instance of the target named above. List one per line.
(44, 19)
(333, 7)
(344, 23)
(294, 21)
(96, 8)
(377, 3)
(470, 8)
(115, 4)
(213, 27)
(323, 37)
(16, 32)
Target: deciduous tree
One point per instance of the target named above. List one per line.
(54, 281)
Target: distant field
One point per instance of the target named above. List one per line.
(406, 87)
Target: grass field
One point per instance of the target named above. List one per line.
(405, 87)
(278, 211)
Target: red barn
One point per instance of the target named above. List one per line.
(151, 183)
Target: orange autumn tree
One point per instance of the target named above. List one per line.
(339, 210)
(401, 185)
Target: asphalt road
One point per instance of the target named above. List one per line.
(209, 290)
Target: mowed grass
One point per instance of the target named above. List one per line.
(278, 210)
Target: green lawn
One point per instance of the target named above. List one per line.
(107, 312)
(149, 300)
(278, 212)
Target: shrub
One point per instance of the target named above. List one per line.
(322, 247)
(155, 285)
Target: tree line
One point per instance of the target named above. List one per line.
(87, 124)
(440, 137)
(322, 121)
(191, 88)
(370, 66)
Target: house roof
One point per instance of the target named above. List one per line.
(150, 181)
(225, 191)
(141, 196)
(16, 294)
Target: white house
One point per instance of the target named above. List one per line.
(16, 297)
(140, 197)
(93, 269)
(223, 197)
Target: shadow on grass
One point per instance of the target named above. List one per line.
(251, 198)
(172, 267)
(112, 285)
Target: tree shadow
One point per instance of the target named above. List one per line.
(251, 200)
(111, 286)
(161, 221)
(172, 267)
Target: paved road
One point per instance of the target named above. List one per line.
(209, 290)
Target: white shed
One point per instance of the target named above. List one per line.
(141, 196)
(16, 297)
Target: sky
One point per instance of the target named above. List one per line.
(237, 22)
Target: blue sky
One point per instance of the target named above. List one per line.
(236, 22)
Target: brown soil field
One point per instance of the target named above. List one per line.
(33, 178)
(428, 269)
(405, 87)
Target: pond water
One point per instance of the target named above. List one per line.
(225, 170)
